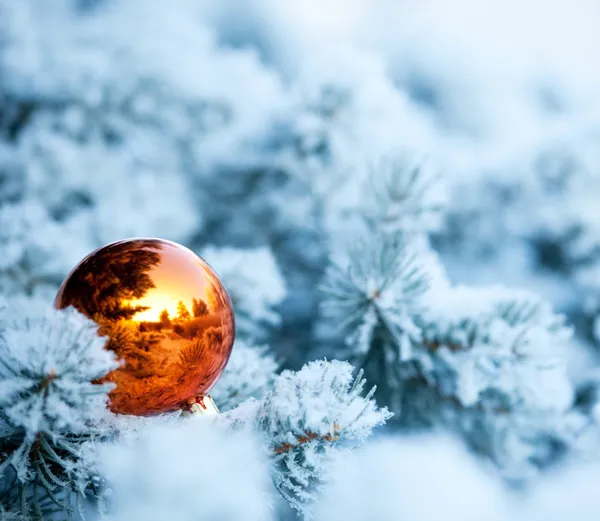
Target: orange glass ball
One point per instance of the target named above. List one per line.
(166, 315)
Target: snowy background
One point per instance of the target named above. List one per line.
(259, 133)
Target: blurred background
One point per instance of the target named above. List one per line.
(254, 124)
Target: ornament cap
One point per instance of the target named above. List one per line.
(201, 406)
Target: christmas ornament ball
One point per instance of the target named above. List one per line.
(166, 314)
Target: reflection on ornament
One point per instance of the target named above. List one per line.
(166, 315)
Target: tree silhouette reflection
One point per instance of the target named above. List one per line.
(104, 284)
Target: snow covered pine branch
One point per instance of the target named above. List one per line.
(489, 364)
(308, 416)
(56, 429)
(50, 409)
(280, 147)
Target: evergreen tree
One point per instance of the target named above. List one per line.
(165, 319)
(366, 196)
(183, 314)
(200, 308)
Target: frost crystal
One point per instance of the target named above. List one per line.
(50, 407)
(494, 338)
(267, 135)
(492, 367)
(374, 288)
(309, 415)
(48, 366)
(489, 363)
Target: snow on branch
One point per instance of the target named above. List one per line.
(47, 366)
(373, 288)
(49, 405)
(495, 338)
(489, 363)
(306, 417)
(376, 279)
(492, 366)
(403, 192)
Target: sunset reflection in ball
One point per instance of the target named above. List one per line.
(166, 315)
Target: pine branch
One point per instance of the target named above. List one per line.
(403, 193)
(50, 406)
(306, 417)
(376, 283)
(487, 363)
